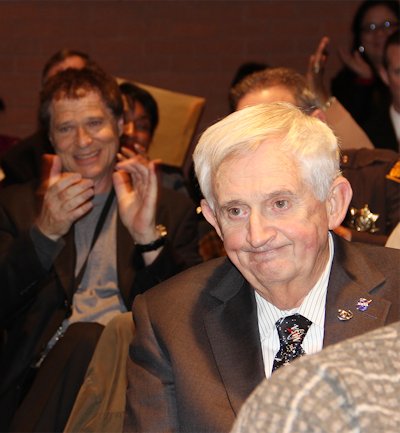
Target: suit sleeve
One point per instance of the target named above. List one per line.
(150, 398)
(20, 267)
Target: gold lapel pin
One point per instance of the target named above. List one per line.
(344, 314)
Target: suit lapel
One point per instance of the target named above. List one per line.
(64, 265)
(125, 261)
(232, 329)
(353, 277)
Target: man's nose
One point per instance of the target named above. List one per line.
(260, 230)
(84, 138)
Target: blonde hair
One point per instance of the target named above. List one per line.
(311, 142)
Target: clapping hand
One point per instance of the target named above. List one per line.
(136, 186)
(66, 197)
(316, 70)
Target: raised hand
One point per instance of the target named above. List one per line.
(65, 198)
(136, 187)
(316, 70)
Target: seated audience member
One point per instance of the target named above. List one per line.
(373, 173)
(140, 123)
(358, 85)
(207, 337)
(76, 251)
(351, 135)
(353, 386)
(243, 71)
(384, 125)
(23, 162)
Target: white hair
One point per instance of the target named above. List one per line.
(311, 142)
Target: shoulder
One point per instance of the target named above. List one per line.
(18, 195)
(193, 289)
(173, 205)
(366, 262)
(170, 198)
(381, 257)
(357, 158)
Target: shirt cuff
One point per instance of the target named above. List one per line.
(46, 249)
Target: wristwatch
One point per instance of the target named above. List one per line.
(154, 245)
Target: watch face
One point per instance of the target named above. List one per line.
(144, 248)
(162, 230)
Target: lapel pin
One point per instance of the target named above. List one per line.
(344, 314)
(363, 304)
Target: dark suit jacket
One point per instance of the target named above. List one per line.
(196, 354)
(34, 301)
(366, 170)
(23, 161)
(380, 130)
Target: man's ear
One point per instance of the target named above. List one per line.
(319, 114)
(210, 216)
(338, 201)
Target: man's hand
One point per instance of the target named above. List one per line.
(65, 198)
(316, 70)
(136, 187)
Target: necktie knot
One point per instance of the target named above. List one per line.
(291, 330)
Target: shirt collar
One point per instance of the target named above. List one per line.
(312, 307)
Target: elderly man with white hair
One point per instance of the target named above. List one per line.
(289, 286)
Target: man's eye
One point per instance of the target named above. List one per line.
(281, 204)
(95, 122)
(142, 126)
(64, 129)
(234, 211)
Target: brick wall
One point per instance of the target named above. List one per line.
(188, 46)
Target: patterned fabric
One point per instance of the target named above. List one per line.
(353, 386)
(291, 331)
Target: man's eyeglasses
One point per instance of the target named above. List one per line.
(386, 25)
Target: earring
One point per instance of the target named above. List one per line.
(361, 49)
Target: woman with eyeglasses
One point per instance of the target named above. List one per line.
(358, 85)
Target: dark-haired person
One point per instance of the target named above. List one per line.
(78, 247)
(140, 123)
(24, 161)
(384, 125)
(358, 85)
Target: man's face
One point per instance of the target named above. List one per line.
(137, 125)
(266, 95)
(393, 73)
(274, 230)
(85, 135)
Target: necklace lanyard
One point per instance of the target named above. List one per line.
(97, 230)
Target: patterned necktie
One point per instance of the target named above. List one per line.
(291, 330)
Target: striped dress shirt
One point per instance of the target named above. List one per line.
(312, 307)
